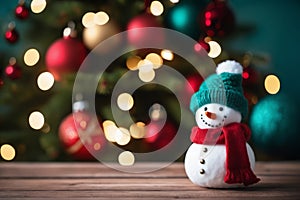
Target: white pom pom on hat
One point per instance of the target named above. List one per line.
(229, 66)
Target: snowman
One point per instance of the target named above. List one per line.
(220, 156)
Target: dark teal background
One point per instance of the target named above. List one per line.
(274, 32)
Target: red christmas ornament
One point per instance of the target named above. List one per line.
(21, 11)
(13, 71)
(217, 19)
(11, 35)
(65, 56)
(138, 35)
(157, 138)
(79, 135)
(193, 83)
(191, 86)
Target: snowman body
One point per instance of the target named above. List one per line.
(205, 164)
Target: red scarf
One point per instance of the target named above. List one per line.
(234, 136)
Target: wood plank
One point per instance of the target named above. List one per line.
(121, 184)
(97, 170)
(80, 170)
(200, 194)
(280, 180)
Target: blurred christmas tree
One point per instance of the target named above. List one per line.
(35, 105)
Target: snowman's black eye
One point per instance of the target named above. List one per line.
(221, 109)
(205, 109)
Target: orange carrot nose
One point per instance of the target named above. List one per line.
(211, 115)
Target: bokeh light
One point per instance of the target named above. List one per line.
(146, 75)
(157, 112)
(197, 47)
(97, 146)
(272, 84)
(155, 59)
(174, 1)
(7, 152)
(46, 128)
(137, 130)
(110, 129)
(126, 158)
(132, 62)
(88, 19)
(245, 75)
(95, 34)
(146, 72)
(167, 54)
(101, 18)
(38, 6)
(125, 101)
(215, 49)
(122, 136)
(156, 8)
(36, 120)
(31, 57)
(45, 81)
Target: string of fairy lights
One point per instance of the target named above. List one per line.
(145, 68)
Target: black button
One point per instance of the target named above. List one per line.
(202, 161)
(205, 149)
(202, 171)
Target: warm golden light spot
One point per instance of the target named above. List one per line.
(156, 8)
(126, 158)
(36, 120)
(31, 57)
(122, 136)
(7, 152)
(110, 130)
(137, 130)
(272, 84)
(155, 59)
(167, 54)
(146, 75)
(101, 18)
(45, 81)
(145, 65)
(38, 6)
(215, 49)
(88, 19)
(132, 62)
(125, 101)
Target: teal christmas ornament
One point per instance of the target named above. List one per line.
(274, 124)
(184, 17)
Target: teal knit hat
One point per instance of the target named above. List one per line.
(224, 87)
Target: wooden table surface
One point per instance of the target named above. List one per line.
(280, 180)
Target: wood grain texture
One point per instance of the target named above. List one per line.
(280, 180)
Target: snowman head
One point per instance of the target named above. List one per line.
(220, 100)
(214, 115)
